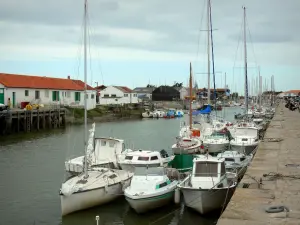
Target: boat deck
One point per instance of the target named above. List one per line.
(281, 147)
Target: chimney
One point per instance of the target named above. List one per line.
(69, 77)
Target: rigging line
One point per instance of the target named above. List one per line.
(199, 32)
(97, 52)
(252, 45)
(89, 44)
(212, 55)
(236, 52)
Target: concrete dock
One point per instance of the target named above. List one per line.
(279, 156)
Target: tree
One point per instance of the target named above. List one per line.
(176, 84)
(150, 86)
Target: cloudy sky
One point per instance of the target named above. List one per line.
(134, 42)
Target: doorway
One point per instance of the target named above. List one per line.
(14, 99)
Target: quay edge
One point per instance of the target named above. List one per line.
(279, 148)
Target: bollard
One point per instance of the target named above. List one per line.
(97, 219)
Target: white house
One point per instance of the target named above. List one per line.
(144, 93)
(117, 95)
(44, 90)
(183, 92)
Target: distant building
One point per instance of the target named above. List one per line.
(220, 93)
(165, 93)
(144, 93)
(44, 90)
(184, 92)
(117, 95)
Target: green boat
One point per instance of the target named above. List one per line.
(183, 162)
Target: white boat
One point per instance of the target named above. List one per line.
(209, 187)
(104, 155)
(150, 188)
(216, 142)
(186, 145)
(95, 186)
(147, 114)
(102, 185)
(130, 159)
(158, 114)
(236, 162)
(245, 140)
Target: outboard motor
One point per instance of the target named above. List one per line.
(164, 153)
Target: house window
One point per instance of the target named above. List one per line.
(87, 96)
(65, 94)
(113, 96)
(106, 96)
(125, 95)
(134, 95)
(37, 94)
(47, 93)
(77, 96)
(68, 94)
(103, 143)
(26, 93)
(55, 96)
(92, 96)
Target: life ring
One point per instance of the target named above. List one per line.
(276, 209)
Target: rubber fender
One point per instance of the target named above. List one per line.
(277, 209)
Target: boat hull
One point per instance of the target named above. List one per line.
(193, 150)
(204, 200)
(146, 204)
(247, 149)
(91, 198)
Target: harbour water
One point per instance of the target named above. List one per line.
(32, 170)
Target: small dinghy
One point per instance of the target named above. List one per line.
(150, 188)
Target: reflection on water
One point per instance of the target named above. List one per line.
(32, 170)
(119, 212)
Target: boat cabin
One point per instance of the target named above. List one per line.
(208, 172)
(146, 157)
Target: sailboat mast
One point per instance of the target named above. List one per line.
(191, 83)
(245, 57)
(208, 52)
(85, 92)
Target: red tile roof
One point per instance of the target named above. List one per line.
(124, 89)
(81, 84)
(26, 81)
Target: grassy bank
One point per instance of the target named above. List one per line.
(103, 114)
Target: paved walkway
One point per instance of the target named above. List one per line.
(247, 206)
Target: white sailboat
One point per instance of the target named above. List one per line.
(96, 185)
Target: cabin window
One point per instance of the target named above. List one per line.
(229, 159)
(143, 158)
(161, 185)
(26, 93)
(244, 139)
(206, 169)
(154, 158)
(111, 144)
(242, 159)
(103, 143)
(125, 95)
(128, 157)
(256, 140)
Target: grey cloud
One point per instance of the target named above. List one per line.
(270, 21)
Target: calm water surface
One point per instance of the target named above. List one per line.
(32, 170)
